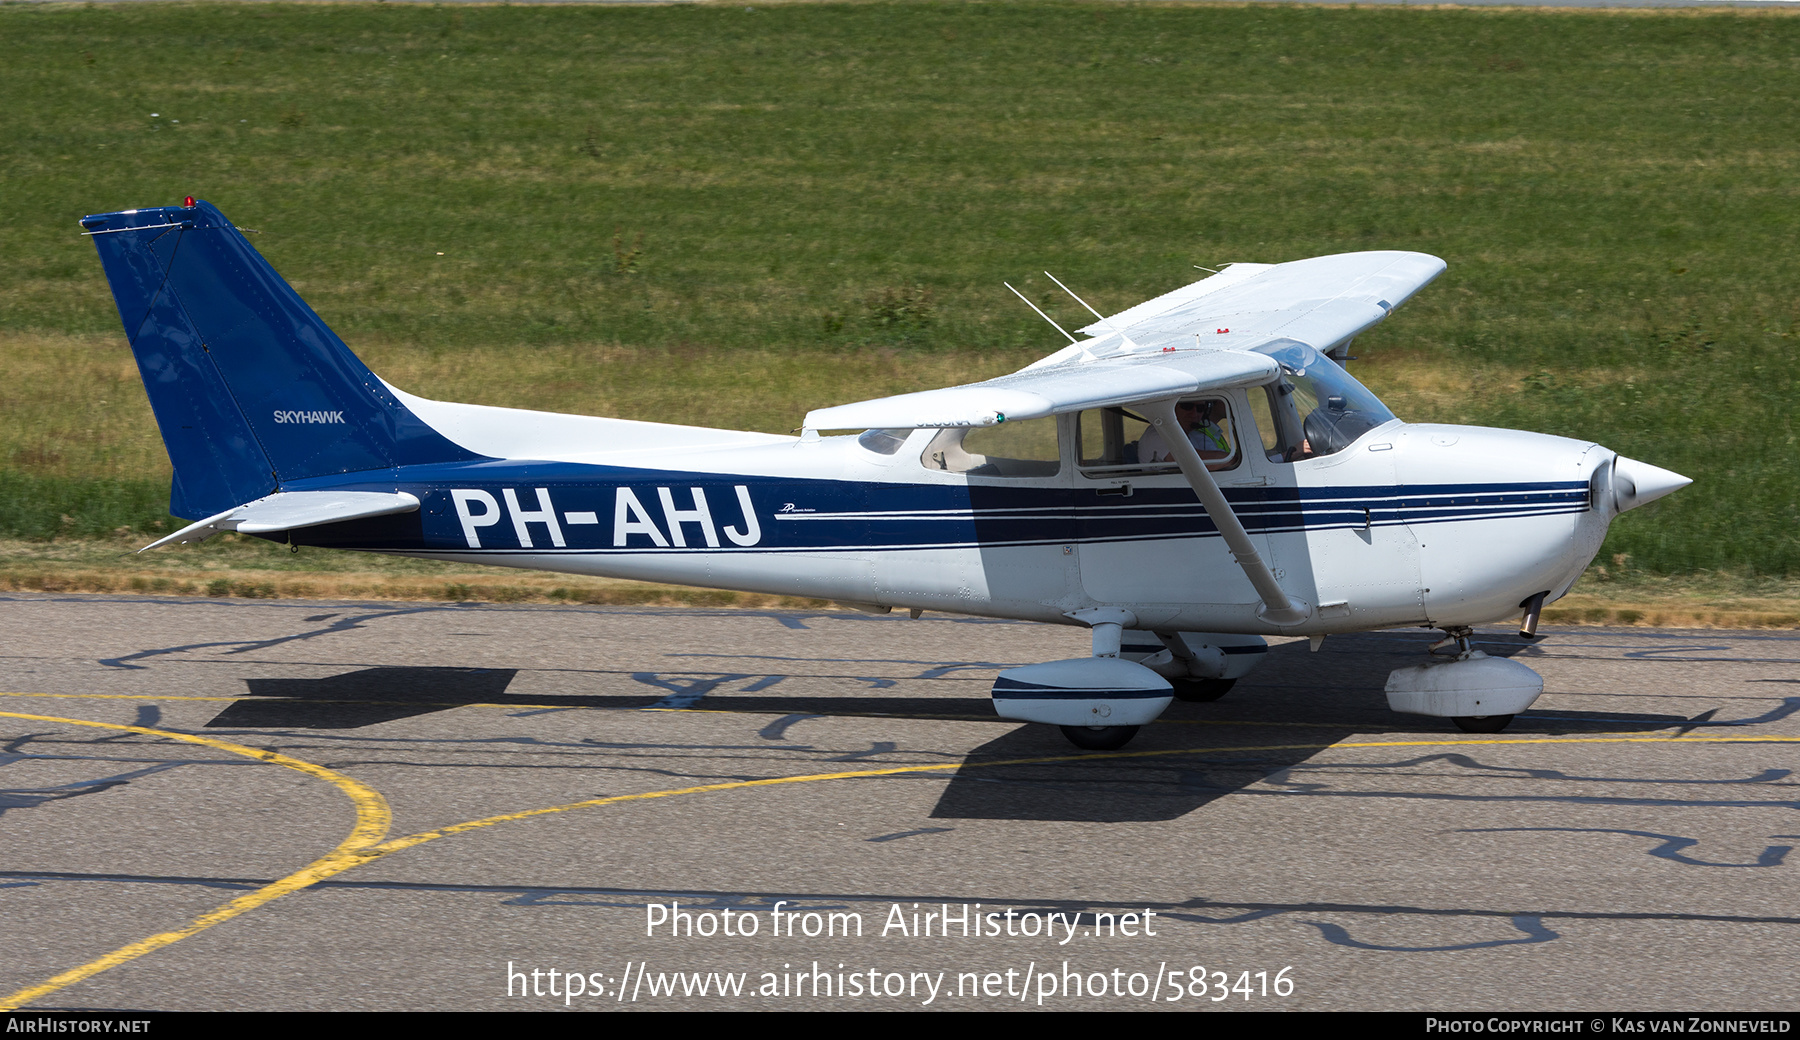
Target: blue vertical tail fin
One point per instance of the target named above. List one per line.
(251, 389)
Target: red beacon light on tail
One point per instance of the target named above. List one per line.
(188, 202)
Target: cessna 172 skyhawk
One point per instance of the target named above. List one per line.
(1198, 473)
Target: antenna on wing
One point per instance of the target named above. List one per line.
(1095, 313)
(1041, 314)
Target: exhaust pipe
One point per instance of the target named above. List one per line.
(1534, 608)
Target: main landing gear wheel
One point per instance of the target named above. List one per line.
(1099, 738)
(1482, 723)
(1201, 689)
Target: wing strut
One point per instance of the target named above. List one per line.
(1278, 608)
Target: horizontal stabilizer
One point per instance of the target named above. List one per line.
(288, 510)
(1037, 392)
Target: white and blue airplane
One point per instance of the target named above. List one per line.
(1195, 474)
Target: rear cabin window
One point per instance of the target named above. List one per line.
(884, 442)
(1012, 449)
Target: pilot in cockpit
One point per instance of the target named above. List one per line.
(1200, 420)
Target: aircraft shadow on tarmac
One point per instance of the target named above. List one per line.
(1297, 698)
(361, 698)
(375, 695)
(1292, 706)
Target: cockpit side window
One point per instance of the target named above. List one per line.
(1012, 449)
(1119, 441)
(1109, 441)
(1261, 413)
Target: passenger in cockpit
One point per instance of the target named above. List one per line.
(1200, 420)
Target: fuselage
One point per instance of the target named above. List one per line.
(1110, 476)
(1409, 525)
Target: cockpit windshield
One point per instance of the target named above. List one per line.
(1316, 408)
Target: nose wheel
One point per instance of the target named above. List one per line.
(1099, 738)
(1482, 723)
(1459, 637)
(1198, 690)
(1480, 694)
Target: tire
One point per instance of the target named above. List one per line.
(1192, 690)
(1099, 738)
(1482, 723)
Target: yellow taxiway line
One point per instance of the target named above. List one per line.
(372, 822)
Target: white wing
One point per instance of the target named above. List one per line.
(1037, 392)
(1198, 337)
(1320, 302)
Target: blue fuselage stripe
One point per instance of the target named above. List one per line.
(487, 507)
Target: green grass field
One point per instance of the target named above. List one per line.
(728, 215)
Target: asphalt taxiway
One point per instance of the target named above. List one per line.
(212, 804)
